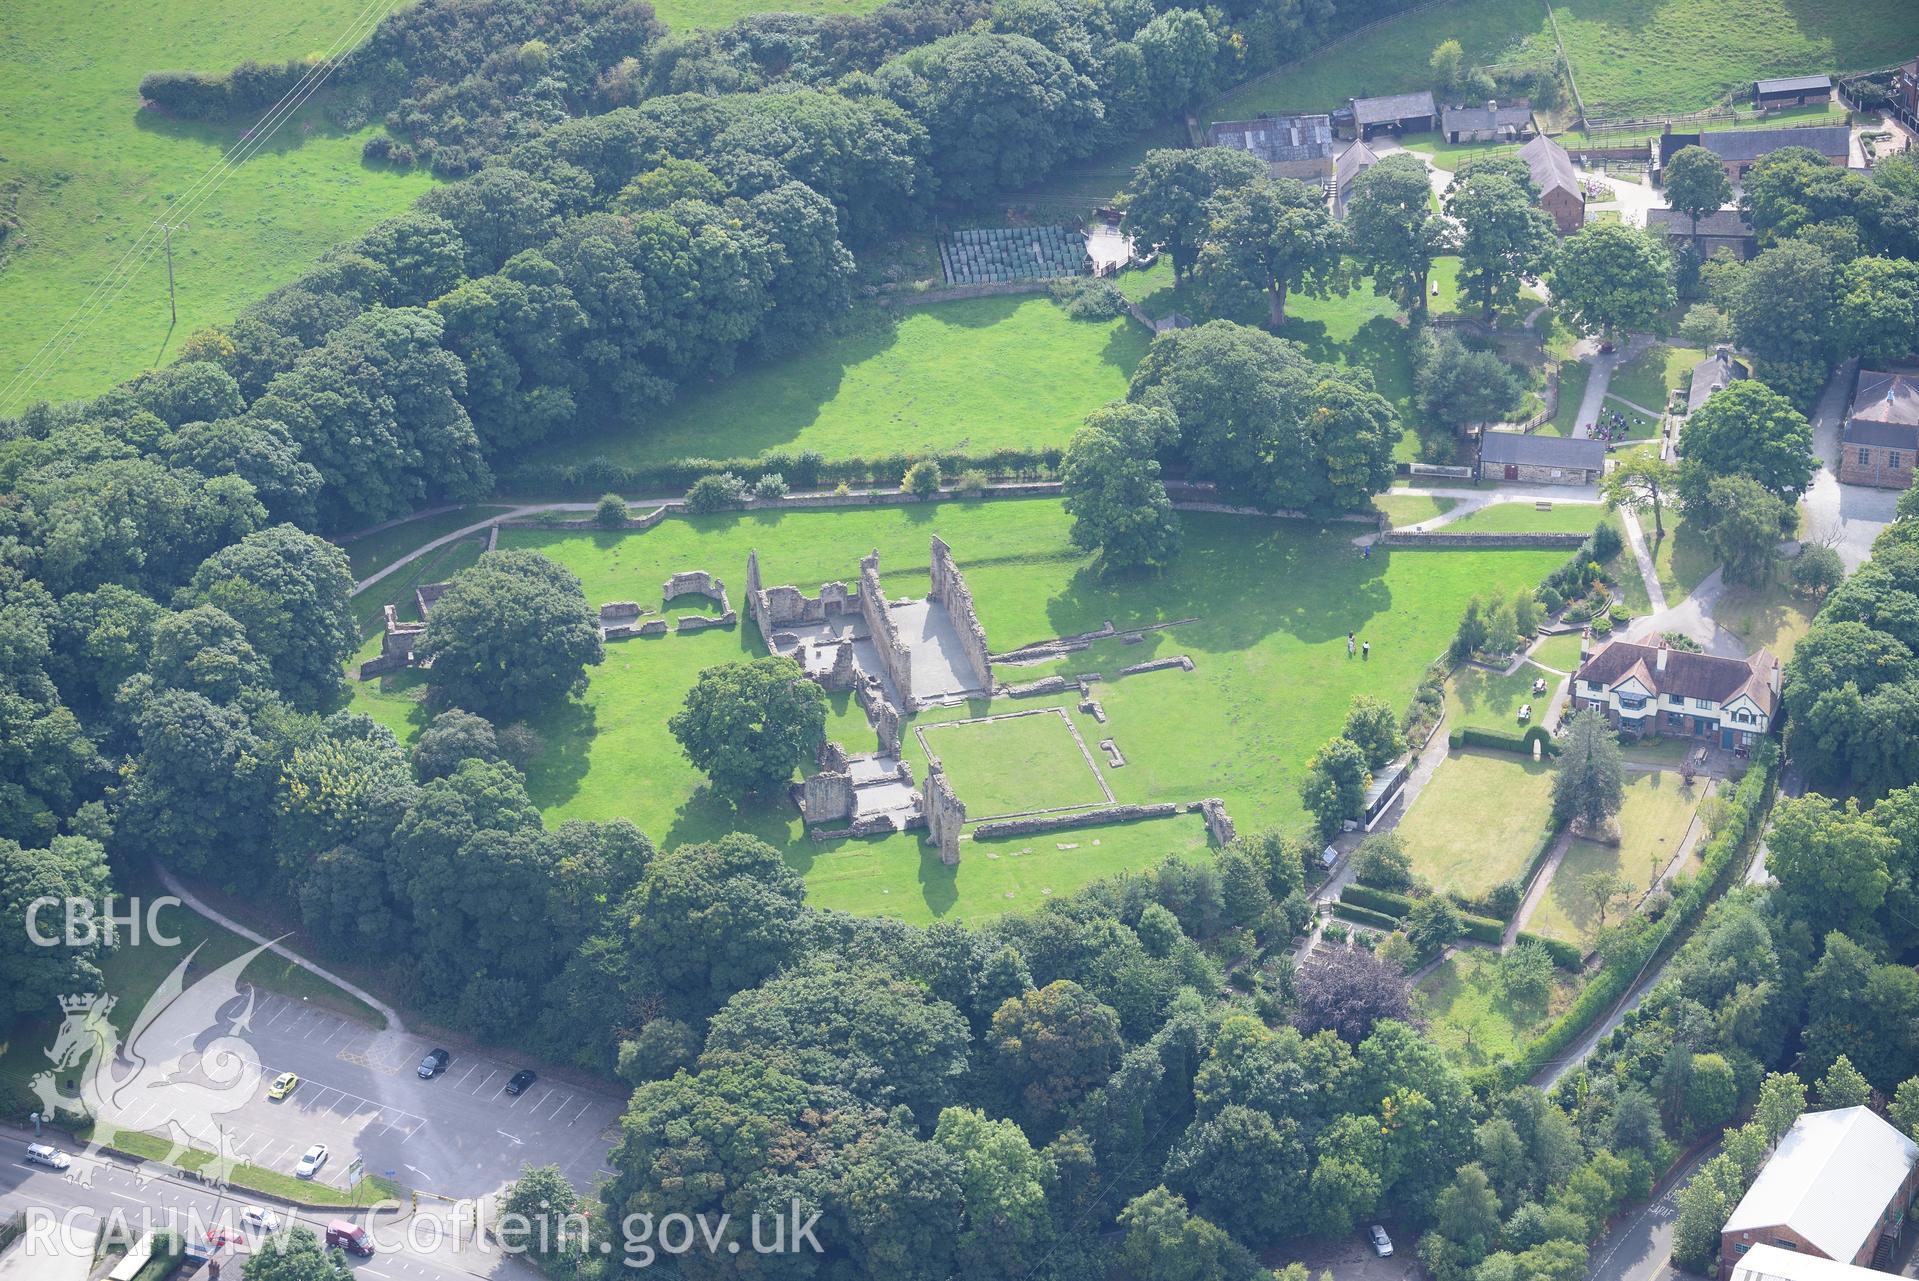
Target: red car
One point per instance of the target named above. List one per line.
(224, 1236)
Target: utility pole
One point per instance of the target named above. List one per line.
(167, 229)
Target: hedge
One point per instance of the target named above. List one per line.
(1366, 916)
(1501, 741)
(597, 476)
(1721, 858)
(1483, 929)
(1385, 902)
(1566, 956)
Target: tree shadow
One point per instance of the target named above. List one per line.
(308, 124)
(566, 738)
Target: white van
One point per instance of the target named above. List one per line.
(53, 1158)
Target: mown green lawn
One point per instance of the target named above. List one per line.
(1559, 652)
(975, 375)
(1648, 378)
(1480, 699)
(1523, 517)
(1478, 820)
(1410, 509)
(1772, 617)
(1270, 603)
(1473, 1020)
(680, 15)
(375, 552)
(94, 172)
(1682, 559)
(1658, 808)
(1017, 764)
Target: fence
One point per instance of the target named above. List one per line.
(1334, 43)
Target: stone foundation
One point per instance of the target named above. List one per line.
(1079, 818)
(1039, 688)
(1180, 661)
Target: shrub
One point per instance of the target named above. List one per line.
(1365, 916)
(1602, 625)
(1604, 543)
(771, 485)
(1618, 614)
(1500, 741)
(611, 512)
(922, 479)
(1382, 862)
(1384, 902)
(1088, 298)
(1504, 898)
(1334, 932)
(1549, 599)
(1566, 956)
(972, 482)
(715, 493)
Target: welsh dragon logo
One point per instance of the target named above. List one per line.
(181, 1068)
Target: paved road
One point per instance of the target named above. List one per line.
(1640, 1248)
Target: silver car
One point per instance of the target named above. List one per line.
(310, 1161)
(1382, 1244)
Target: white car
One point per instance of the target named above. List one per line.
(1382, 1244)
(51, 1157)
(310, 1161)
(258, 1220)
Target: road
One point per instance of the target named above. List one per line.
(415, 1247)
(1640, 1248)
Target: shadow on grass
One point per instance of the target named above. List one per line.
(566, 742)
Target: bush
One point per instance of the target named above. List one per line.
(972, 482)
(1366, 916)
(1500, 741)
(1604, 544)
(1618, 614)
(1482, 929)
(1334, 932)
(1385, 902)
(1382, 863)
(922, 479)
(611, 512)
(715, 493)
(1566, 956)
(1088, 298)
(1549, 600)
(1602, 625)
(771, 485)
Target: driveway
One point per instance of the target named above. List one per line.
(1846, 517)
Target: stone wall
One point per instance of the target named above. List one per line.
(396, 646)
(700, 622)
(1080, 818)
(1180, 661)
(1440, 538)
(882, 715)
(618, 613)
(427, 595)
(843, 674)
(895, 656)
(826, 797)
(695, 582)
(775, 607)
(949, 589)
(1040, 688)
(1219, 824)
(945, 813)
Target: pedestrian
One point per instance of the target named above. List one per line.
(1349, 644)
(1366, 651)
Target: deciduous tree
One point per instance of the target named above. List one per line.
(511, 636)
(749, 725)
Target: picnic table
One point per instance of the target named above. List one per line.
(1525, 713)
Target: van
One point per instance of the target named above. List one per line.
(52, 1158)
(351, 1237)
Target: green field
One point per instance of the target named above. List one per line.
(1271, 603)
(1559, 652)
(1478, 820)
(375, 552)
(94, 172)
(1524, 518)
(679, 15)
(1016, 764)
(1652, 822)
(976, 375)
(1472, 1019)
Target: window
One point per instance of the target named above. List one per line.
(1892, 460)
(1865, 457)
(1741, 1248)
(1704, 703)
(1631, 702)
(1784, 1244)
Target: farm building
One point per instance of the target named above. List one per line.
(1395, 114)
(1560, 191)
(1740, 149)
(1491, 121)
(1791, 91)
(1880, 440)
(1726, 230)
(1292, 146)
(1551, 460)
(1352, 162)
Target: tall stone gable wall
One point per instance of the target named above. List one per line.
(950, 590)
(894, 654)
(945, 813)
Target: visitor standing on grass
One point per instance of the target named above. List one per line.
(1366, 652)
(1349, 644)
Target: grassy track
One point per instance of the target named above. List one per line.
(680, 15)
(94, 171)
(1272, 603)
(980, 374)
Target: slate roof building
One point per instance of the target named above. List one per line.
(1292, 146)
(1880, 441)
(1551, 460)
(1726, 231)
(1838, 1187)
(1740, 149)
(1490, 121)
(1658, 691)
(1352, 162)
(1791, 91)
(1395, 113)
(1561, 194)
(1709, 375)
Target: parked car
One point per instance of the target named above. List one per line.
(218, 1236)
(259, 1220)
(310, 1161)
(342, 1235)
(1382, 1244)
(283, 1085)
(51, 1157)
(434, 1064)
(521, 1079)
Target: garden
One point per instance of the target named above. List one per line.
(1478, 821)
(1261, 607)
(1598, 883)
(1476, 1018)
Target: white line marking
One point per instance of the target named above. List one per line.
(503, 1134)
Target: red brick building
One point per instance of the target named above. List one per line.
(1838, 1187)
(1560, 191)
(1880, 440)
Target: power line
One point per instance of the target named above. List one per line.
(104, 294)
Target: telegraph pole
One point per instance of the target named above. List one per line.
(167, 229)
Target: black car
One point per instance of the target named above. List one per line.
(434, 1064)
(521, 1079)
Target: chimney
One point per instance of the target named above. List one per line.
(1718, 386)
(1659, 663)
(1723, 351)
(1492, 106)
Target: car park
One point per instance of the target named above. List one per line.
(1382, 1244)
(310, 1161)
(51, 1157)
(283, 1085)
(521, 1079)
(434, 1064)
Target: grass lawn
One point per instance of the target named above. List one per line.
(1481, 699)
(1410, 509)
(369, 1191)
(1572, 391)
(376, 551)
(1478, 820)
(979, 374)
(1657, 810)
(1016, 765)
(1682, 559)
(679, 15)
(1622, 571)
(1559, 652)
(1650, 376)
(1272, 603)
(1773, 617)
(1523, 517)
(95, 172)
(1472, 1019)
(397, 588)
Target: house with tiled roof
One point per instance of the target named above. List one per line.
(1561, 194)
(1880, 440)
(1740, 149)
(1838, 1186)
(1658, 691)
(1727, 231)
(1292, 146)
